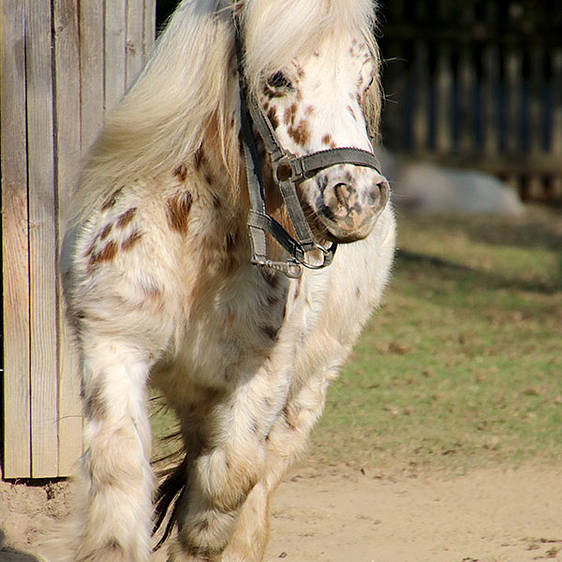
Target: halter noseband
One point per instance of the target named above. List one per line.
(288, 171)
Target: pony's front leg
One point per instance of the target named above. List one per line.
(115, 483)
(285, 442)
(228, 468)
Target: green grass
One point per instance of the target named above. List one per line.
(462, 366)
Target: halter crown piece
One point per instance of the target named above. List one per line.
(288, 171)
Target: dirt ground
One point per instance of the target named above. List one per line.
(343, 514)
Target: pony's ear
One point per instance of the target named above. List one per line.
(371, 106)
(372, 98)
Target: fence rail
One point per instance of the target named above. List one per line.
(477, 84)
(63, 64)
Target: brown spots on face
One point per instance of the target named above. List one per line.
(181, 172)
(131, 240)
(290, 114)
(125, 218)
(111, 200)
(358, 292)
(301, 133)
(327, 140)
(272, 116)
(177, 211)
(308, 110)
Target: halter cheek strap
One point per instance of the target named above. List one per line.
(288, 171)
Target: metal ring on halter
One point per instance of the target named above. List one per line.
(288, 168)
(327, 254)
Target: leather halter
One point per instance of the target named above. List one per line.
(288, 171)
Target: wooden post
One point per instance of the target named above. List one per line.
(15, 245)
(67, 103)
(59, 73)
(42, 239)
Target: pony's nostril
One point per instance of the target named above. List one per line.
(342, 192)
(377, 196)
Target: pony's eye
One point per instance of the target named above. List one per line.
(278, 81)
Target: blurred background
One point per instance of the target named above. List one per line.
(473, 84)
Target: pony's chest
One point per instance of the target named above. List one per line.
(232, 329)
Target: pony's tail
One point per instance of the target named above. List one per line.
(167, 500)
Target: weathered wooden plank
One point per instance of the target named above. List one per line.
(67, 112)
(115, 51)
(17, 390)
(149, 26)
(42, 240)
(91, 72)
(135, 39)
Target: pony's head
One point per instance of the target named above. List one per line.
(313, 68)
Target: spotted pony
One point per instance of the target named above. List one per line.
(160, 289)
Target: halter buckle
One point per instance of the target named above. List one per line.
(287, 168)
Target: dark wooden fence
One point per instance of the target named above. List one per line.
(477, 84)
(63, 64)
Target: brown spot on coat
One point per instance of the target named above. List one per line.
(327, 140)
(350, 109)
(272, 116)
(95, 407)
(181, 172)
(301, 133)
(125, 218)
(289, 423)
(105, 232)
(271, 332)
(230, 240)
(107, 254)
(111, 200)
(290, 113)
(177, 211)
(131, 241)
(198, 159)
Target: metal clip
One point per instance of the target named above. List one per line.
(290, 269)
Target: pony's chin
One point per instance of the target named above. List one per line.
(339, 233)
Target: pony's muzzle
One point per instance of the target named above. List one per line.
(351, 203)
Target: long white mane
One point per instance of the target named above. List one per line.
(188, 92)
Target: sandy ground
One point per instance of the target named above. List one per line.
(348, 515)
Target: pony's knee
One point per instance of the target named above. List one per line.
(225, 478)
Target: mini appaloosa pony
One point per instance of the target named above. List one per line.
(201, 258)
